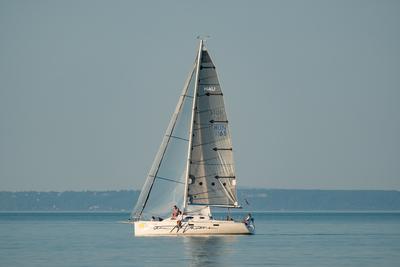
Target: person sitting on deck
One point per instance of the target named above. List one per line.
(175, 212)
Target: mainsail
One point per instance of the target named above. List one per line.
(194, 168)
(212, 180)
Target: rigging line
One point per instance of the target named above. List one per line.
(167, 179)
(177, 137)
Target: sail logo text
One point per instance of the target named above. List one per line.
(220, 129)
(210, 88)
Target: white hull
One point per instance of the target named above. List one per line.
(192, 227)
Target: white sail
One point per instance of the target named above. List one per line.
(165, 183)
(212, 179)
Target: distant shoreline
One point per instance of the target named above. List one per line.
(255, 200)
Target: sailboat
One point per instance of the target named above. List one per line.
(194, 168)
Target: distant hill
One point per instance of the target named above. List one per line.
(251, 199)
(68, 201)
(313, 200)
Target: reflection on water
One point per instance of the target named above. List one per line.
(208, 250)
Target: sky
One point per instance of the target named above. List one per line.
(312, 90)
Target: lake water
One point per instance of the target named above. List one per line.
(282, 239)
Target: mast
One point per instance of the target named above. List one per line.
(185, 192)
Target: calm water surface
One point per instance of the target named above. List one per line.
(282, 239)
